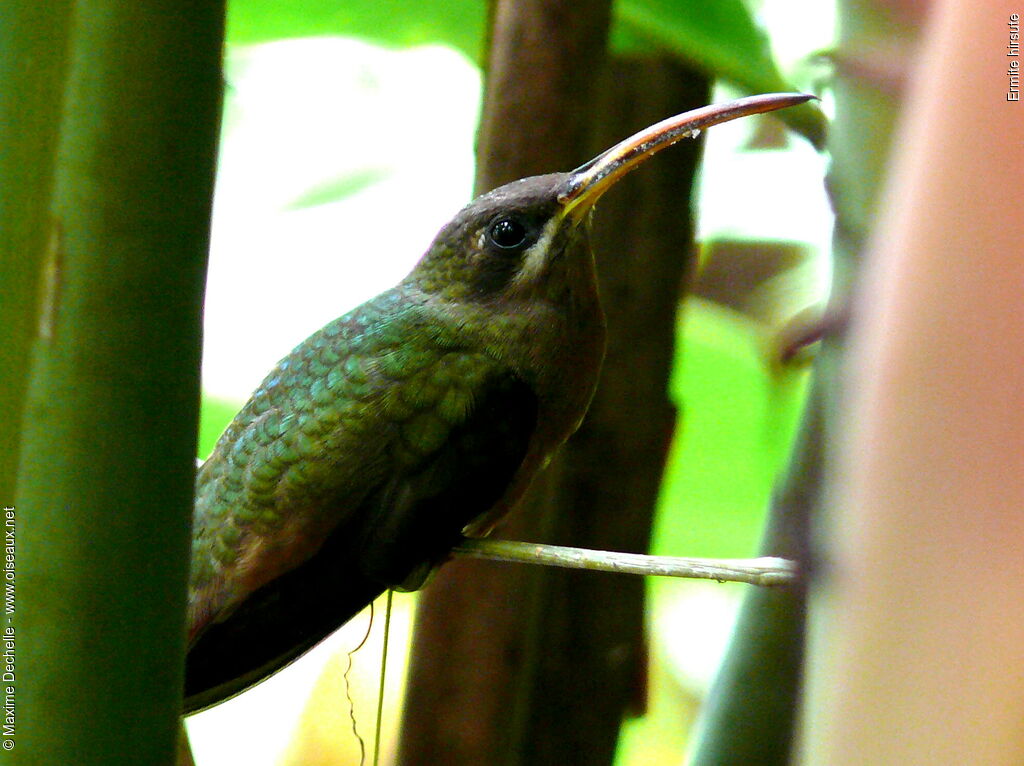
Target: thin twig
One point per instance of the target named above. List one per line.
(383, 674)
(766, 571)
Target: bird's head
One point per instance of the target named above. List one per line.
(529, 237)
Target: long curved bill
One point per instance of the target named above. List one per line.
(588, 182)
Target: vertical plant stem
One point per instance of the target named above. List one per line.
(33, 64)
(107, 460)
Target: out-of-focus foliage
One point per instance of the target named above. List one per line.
(338, 188)
(456, 23)
(739, 417)
(214, 417)
(719, 36)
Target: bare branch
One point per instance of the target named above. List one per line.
(765, 571)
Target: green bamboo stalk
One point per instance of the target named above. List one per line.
(30, 104)
(106, 466)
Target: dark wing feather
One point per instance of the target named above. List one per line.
(401, 530)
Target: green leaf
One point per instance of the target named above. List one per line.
(456, 23)
(738, 421)
(720, 37)
(337, 189)
(214, 416)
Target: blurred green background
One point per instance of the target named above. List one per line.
(337, 116)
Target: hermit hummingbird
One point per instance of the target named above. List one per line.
(414, 420)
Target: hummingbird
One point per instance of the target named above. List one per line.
(413, 421)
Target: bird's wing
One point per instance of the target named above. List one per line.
(370, 503)
(298, 458)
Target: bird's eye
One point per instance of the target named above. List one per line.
(507, 233)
